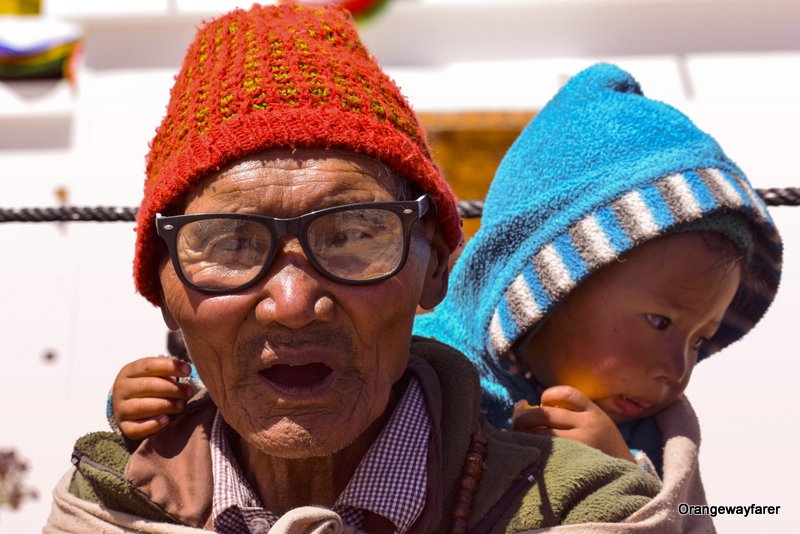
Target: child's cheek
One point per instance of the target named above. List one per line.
(590, 384)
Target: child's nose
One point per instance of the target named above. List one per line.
(674, 364)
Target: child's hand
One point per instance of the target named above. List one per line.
(146, 391)
(567, 413)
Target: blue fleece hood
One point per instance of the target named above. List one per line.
(599, 170)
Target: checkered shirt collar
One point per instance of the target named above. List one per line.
(390, 481)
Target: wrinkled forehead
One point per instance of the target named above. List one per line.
(293, 181)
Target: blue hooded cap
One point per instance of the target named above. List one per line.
(600, 170)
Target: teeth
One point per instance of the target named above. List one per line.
(630, 399)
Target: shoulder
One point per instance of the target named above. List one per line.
(443, 357)
(446, 371)
(434, 351)
(102, 460)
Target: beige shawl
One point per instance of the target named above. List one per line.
(73, 515)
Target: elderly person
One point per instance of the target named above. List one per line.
(292, 221)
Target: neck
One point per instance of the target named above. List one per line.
(283, 484)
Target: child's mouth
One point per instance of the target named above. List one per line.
(631, 406)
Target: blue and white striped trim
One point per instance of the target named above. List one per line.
(631, 219)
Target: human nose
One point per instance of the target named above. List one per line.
(293, 292)
(674, 363)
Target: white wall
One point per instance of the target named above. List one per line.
(734, 66)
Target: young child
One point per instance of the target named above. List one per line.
(624, 342)
(618, 247)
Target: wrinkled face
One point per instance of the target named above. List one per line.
(298, 364)
(629, 336)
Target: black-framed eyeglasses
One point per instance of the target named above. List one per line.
(354, 243)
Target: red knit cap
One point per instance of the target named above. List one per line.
(283, 76)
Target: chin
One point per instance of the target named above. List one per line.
(621, 419)
(289, 440)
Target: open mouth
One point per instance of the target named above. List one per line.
(297, 376)
(632, 406)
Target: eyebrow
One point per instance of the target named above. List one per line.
(669, 298)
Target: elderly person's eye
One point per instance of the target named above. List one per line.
(348, 236)
(361, 228)
(222, 245)
(235, 250)
(228, 244)
(220, 236)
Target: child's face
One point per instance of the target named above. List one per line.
(629, 336)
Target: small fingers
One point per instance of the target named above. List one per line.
(542, 417)
(143, 428)
(138, 409)
(566, 397)
(156, 366)
(137, 388)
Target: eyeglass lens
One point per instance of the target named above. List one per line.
(355, 245)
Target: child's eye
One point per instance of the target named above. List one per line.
(659, 322)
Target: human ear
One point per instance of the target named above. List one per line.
(437, 273)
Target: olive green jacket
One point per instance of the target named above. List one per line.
(527, 481)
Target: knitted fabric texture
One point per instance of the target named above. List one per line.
(600, 170)
(283, 76)
(730, 224)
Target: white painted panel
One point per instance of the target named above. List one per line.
(751, 104)
(212, 6)
(118, 114)
(523, 84)
(759, 76)
(67, 290)
(94, 8)
(38, 303)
